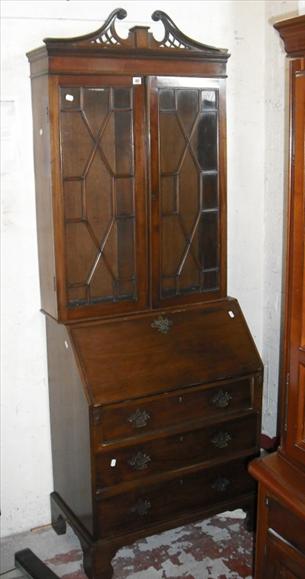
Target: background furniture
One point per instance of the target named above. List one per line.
(281, 512)
(32, 566)
(155, 381)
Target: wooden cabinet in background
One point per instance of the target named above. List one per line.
(281, 476)
(155, 381)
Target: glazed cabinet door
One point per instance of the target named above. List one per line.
(187, 127)
(101, 208)
(294, 437)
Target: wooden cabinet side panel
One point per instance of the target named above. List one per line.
(70, 429)
(294, 353)
(261, 535)
(44, 206)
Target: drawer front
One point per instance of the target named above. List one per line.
(286, 524)
(169, 410)
(180, 496)
(218, 441)
(281, 560)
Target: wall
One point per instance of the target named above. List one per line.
(276, 125)
(253, 244)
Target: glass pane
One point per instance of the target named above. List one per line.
(209, 240)
(102, 283)
(70, 98)
(189, 280)
(208, 99)
(169, 286)
(168, 195)
(98, 189)
(117, 143)
(188, 191)
(73, 199)
(189, 194)
(81, 252)
(167, 100)
(204, 141)
(121, 98)
(125, 244)
(98, 198)
(76, 144)
(187, 101)
(95, 107)
(173, 245)
(126, 289)
(172, 143)
(124, 188)
(78, 295)
(211, 280)
(209, 191)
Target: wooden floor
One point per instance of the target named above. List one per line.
(217, 548)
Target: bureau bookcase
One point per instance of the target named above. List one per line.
(280, 543)
(155, 381)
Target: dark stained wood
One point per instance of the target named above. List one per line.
(182, 247)
(222, 185)
(282, 560)
(292, 33)
(94, 61)
(174, 410)
(70, 426)
(149, 504)
(280, 546)
(44, 205)
(283, 479)
(203, 344)
(139, 41)
(63, 244)
(221, 440)
(281, 510)
(285, 523)
(137, 66)
(294, 370)
(98, 553)
(155, 395)
(32, 566)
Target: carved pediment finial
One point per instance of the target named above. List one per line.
(174, 38)
(139, 38)
(106, 35)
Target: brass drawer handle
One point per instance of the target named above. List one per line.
(139, 418)
(163, 325)
(221, 439)
(221, 484)
(139, 461)
(141, 508)
(221, 399)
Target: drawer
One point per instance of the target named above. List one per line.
(167, 410)
(290, 527)
(177, 497)
(219, 441)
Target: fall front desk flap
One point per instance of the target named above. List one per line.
(162, 351)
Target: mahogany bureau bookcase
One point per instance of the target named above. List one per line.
(280, 545)
(155, 381)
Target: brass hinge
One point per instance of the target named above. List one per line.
(267, 502)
